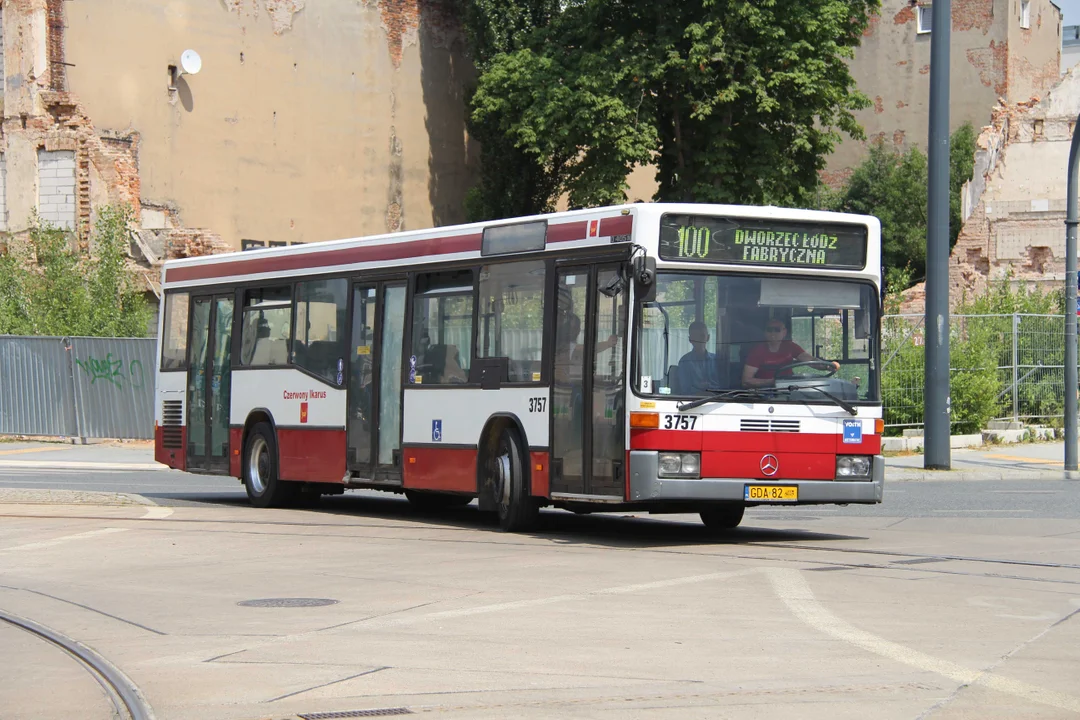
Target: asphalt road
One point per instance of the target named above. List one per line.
(929, 499)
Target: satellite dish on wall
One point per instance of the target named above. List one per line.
(190, 63)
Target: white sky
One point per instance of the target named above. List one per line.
(1070, 11)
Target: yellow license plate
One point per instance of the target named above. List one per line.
(772, 493)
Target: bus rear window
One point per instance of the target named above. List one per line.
(174, 338)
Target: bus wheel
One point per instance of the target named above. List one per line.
(264, 489)
(518, 511)
(725, 517)
(427, 500)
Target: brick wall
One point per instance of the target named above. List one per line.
(56, 187)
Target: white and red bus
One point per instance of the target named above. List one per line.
(647, 357)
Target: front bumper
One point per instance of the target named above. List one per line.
(646, 485)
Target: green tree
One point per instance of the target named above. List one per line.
(732, 101)
(892, 186)
(47, 287)
(512, 181)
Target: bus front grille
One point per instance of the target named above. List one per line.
(767, 425)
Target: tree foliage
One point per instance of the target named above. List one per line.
(49, 288)
(892, 186)
(732, 101)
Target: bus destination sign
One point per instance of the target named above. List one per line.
(752, 241)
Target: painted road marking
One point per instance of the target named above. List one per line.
(793, 589)
(157, 513)
(61, 540)
(1017, 458)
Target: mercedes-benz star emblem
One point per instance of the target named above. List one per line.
(769, 464)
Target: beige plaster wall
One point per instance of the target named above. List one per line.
(989, 59)
(300, 127)
(1034, 52)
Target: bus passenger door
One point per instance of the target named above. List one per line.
(568, 392)
(587, 395)
(362, 374)
(374, 417)
(608, 418)
(209, 383)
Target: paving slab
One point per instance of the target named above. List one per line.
(593, 617)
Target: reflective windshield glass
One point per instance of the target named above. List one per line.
(789, 336)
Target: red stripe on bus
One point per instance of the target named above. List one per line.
(621, 225)
(812, 443)
(236, 446)
(541, 482)
(321, 259)
(175, 458)
(311, 455)
(557, 233)
(771, 442)
(870, 445)
(567, 232)
(792, 465)
(448, 469)
(665, 440)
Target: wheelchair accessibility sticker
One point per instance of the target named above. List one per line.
(436, 431)
(853, 431)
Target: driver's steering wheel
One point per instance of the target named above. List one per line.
(825, 366)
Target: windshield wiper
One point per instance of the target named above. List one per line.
(755, 394)
(851, 409)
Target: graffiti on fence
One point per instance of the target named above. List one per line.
(112, 371)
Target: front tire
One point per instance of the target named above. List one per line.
(723, 518)
(264, 487)
(518, 511)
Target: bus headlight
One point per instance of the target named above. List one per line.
(684, 465)
(852, 466)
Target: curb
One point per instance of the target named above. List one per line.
(1008, 474)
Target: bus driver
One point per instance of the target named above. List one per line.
(776, 352)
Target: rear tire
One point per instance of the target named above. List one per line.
(723, 518)
(264, 487)
(430, 500)
(518, 511)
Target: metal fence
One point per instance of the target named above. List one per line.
(1014, 363)
(77, 387)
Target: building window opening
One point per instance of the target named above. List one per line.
(924, 15)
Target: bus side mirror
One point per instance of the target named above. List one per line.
(644, 268)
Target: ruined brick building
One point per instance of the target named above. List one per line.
(308, 121)
(1006, 49)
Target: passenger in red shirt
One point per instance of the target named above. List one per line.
(776, 352)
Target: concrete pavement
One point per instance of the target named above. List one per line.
(236, 613)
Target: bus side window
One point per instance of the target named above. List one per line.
(442, 327)
(511, 317)
(264, 330)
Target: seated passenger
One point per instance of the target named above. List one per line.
(445, 361)
(766, 358)
(697, 369)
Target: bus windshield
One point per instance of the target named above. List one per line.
(791, 338)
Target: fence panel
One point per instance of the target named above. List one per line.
(1027, 353)
(35, 387)
(114, 387)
